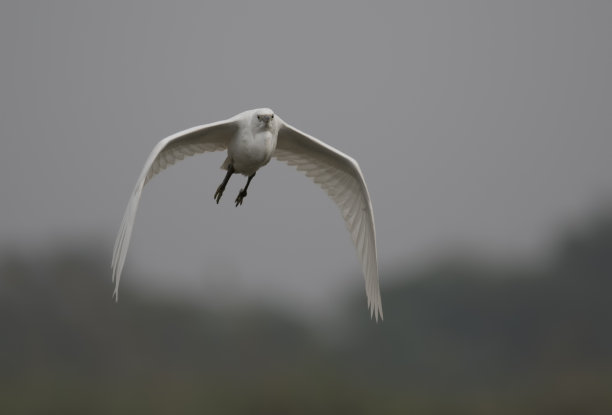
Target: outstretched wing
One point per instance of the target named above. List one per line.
(209, 137)
(339, 175)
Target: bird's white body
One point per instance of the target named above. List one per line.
(251, 139)
(252, 146)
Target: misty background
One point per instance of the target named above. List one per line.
(483, 130)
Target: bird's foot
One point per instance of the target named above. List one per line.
(219, 192)
(241, 196)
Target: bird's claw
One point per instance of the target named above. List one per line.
(219, 193)
(241, 196)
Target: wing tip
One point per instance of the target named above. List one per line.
(376, 313)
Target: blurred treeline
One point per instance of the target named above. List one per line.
(461, 335)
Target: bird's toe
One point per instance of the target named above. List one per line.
(219, 193)
(240, 197)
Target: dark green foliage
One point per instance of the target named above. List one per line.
(459, 337)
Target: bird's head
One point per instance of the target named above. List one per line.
(264, 118)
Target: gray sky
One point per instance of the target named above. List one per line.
(479, 124)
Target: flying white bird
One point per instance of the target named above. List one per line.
(251, 139)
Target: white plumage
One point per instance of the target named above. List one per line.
(251, 139)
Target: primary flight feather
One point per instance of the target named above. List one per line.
(251, 139)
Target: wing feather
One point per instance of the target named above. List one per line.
(200, 139)
(340, 176)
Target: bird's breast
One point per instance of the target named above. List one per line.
(249, 152)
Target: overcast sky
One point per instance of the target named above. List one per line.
(476, 124)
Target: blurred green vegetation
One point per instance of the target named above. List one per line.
(461, 335)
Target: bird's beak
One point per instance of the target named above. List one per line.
(265, 118)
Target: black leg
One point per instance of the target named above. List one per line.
(243, 192)
(221, 188)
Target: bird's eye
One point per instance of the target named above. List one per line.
(259, 117)
(272, 116)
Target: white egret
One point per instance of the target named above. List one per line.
(251, 139)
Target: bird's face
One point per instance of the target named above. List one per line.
(264, 118)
